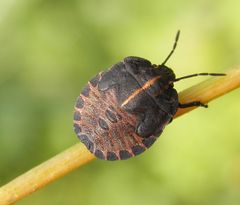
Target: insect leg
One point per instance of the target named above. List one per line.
(192, 104)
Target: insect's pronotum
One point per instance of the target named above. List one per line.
(122, 111)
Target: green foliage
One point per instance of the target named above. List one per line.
(48, 51)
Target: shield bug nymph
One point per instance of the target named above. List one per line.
(122, 111)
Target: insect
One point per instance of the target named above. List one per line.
(122, 111)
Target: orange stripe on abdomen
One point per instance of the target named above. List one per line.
(148, 84)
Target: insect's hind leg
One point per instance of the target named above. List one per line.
(192, 104)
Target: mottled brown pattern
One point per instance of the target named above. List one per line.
(120, 137)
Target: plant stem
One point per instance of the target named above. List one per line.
(208, 90)
(78, 155)
(43, 174)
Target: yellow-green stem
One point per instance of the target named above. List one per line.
(78, 155)
(208, 90)
(45, 173)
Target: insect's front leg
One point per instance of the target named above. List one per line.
(192, 104)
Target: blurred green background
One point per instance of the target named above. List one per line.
(48, 51)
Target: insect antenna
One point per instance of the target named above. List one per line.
(199, 74)
(174, 46)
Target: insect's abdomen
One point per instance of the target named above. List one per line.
(107, 130)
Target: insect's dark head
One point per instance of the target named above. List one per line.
(166, 73)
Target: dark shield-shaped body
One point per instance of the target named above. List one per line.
(121, 112)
